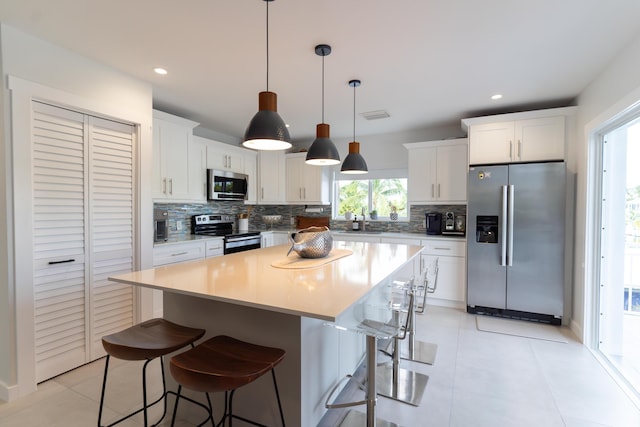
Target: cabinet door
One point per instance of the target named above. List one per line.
(271, 187)
(316, 184)
(224, 157)
(452, 169)
(197, 168)
(251, 170)
(539, 139)
(175, 147)
(294, 186)
(422, 175)
(491, 143)
(214, 248)
(451, 280)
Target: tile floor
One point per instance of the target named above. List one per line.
(478, 379)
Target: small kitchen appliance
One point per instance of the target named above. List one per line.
(227, 185)
(434, 223)
(449, 221)
(222, 225)
(160, 225)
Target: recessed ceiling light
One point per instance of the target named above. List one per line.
(496, 96)
(161, 71)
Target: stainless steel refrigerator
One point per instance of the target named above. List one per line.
(515, 240)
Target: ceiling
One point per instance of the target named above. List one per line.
(428, 63)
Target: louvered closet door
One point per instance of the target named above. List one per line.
(59, 141)
(111, 219)
(83, 232)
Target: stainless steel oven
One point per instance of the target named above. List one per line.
(222, 225)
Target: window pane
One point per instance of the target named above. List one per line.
(389, 195)
(352, 196)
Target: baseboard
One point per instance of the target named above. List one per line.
(8, 393)
(577, 330)
(460, 305)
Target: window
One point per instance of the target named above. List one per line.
(383, 196)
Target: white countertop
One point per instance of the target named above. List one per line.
(248, 279)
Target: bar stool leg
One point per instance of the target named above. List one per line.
(104, 387)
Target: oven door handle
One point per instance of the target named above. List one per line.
(241, 238)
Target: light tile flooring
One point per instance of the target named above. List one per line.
(478, 379)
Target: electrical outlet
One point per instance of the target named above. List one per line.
(179, 225)
(424, 223)
(292, 221)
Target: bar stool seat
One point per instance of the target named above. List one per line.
(223, 363)
(148, 340)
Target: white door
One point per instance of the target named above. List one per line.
(82, 232)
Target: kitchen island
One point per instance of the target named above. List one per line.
(244, 296)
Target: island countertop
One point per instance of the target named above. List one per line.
(249, 279)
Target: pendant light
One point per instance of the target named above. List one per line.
(267, 130)
(322, 151)
(354, 162)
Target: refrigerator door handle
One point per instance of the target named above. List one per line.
(510, 226)
(503, 237)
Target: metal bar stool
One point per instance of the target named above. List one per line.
(375, 319)
(414, 350)
(403, 385)
(146, 341)
(224, 363)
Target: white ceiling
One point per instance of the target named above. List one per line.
(428, 63)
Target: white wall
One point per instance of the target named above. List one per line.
(56, 75)
(617, 87)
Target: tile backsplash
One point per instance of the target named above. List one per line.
(181, 213)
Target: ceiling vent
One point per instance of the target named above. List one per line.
(375, 115)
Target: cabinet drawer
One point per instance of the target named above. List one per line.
(177, 252)
(444, 247)
(214, 247)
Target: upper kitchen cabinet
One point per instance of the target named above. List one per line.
(173, 149)
(438, 171)
(306, 184)
(271, 178)
(517, 137)
(226, 157)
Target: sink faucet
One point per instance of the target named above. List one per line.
(364, 222)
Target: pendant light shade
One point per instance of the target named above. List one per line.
(267, 130)
(354, 162)
(322, 151)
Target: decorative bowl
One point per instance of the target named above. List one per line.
(312, 242)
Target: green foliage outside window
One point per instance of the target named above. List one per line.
(383, 195)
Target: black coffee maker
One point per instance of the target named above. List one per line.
(434, 223)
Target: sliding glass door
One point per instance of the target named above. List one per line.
(619, 284)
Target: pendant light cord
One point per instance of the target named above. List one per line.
(267, 38)
(354, 112)
(323, 89)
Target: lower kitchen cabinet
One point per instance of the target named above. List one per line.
(452, 271)
(274, 238)
(214, 247)
(171, 253)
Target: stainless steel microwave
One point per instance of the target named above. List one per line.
(227, 185)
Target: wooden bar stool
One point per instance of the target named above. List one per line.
(146, 341)
(224, 364)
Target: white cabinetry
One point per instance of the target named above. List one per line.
(518, 137)
(214, 247)
(172, 142)
(451, 283)
(171, 253)
(226, 157)
(438, 171)
(306, 184)
(271, 178)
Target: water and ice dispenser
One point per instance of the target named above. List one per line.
(487, 229)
